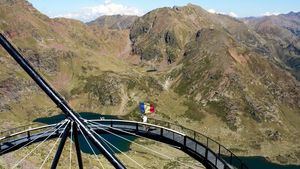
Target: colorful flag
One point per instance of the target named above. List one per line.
(142, 107)
(152, 110)
(146, 108)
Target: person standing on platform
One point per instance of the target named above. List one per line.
(146, 108)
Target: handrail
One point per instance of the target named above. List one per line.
(169, 125)
(115, 122)
(25, 131)
(19, 127)
(208, 138)
(27, 125)
(142, 123)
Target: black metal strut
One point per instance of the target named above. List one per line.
(61, 146)
(58, 100)
(77, 146)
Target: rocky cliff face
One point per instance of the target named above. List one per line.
(282, 33)
(214, 73)
(162, 34)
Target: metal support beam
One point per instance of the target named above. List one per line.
(78, 152)
(61, 146)
(58, 100)
(111, 157)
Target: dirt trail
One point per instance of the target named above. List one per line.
(126, 51)
(124, 100)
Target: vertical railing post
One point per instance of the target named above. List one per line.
(206, 142)
(28, 135)
(216, 160)
(194, 135)
(206, 150)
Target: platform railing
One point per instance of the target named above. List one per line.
(22, 131)
(213, 152)
(218, 148)
(214, 149)
(16, 129)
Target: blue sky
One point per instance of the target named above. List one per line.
(86, 10)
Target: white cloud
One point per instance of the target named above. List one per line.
(212, 11)
(108, 8)
(232, 14)
(270, 13)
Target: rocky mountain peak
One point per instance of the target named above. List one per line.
(119, 22)
(22, 4)
(292, 13)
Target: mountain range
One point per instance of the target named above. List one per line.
(281, 33)
(236, 80)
